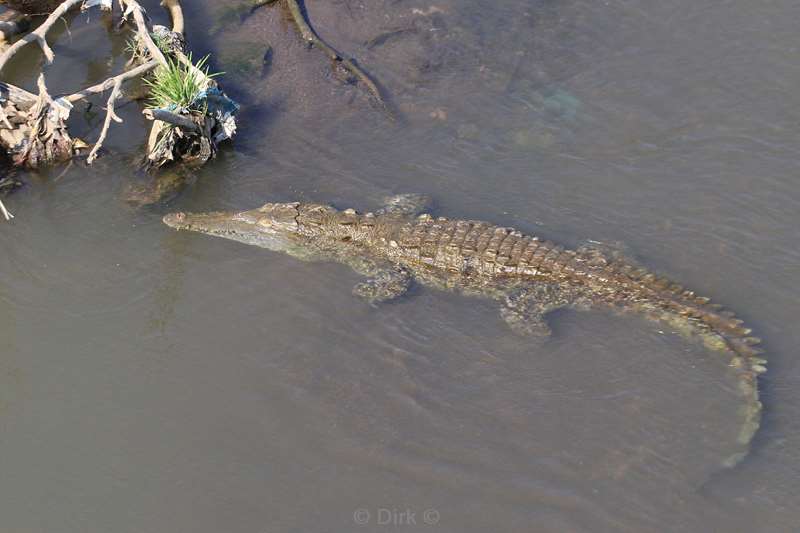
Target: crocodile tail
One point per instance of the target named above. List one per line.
(719, 330)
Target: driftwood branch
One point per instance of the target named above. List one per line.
(43, 94)
(20, 97)
(40, 134)
(311, 37)
(142, 31)
(33, 128)
(171, 118)
(110, 115)
(176, 13)
(40, 35)
(111, 82)
(130, 7)
(5, 212)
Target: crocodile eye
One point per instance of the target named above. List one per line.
(347, 238)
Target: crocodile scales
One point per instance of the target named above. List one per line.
(529, 276)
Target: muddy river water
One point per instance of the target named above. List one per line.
(155, 381)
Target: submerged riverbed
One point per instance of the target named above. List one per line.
(160, 381)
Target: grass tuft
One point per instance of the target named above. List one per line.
(177, 84)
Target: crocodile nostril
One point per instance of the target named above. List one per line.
(174, 218)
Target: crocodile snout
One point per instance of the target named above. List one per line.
(174, 220)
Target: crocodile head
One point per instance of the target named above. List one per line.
(272, 226)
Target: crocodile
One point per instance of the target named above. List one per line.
(530, 277)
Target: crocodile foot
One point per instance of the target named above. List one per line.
(525, 309)
(409, 204)
(603, 252)
(384, 285)
(525, 323)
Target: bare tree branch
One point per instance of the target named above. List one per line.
(176, 13)
(171, 118)
(44, 118)
(4, 211)
(111, 82)
(39, 36)
(43, 94)
(310, 36)
(142, 31)
(110, 115)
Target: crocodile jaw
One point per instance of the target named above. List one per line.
(250, 227)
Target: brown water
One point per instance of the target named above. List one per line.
(152, 381)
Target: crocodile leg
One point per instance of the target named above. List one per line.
(384, 281)
(525, 308)
(409, 204)
(602, 252)
(386, 285)
(526, 323)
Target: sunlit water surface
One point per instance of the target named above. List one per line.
(153, 381)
